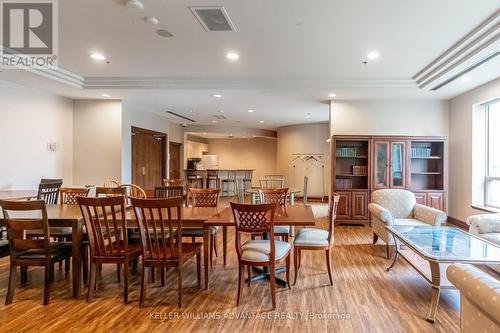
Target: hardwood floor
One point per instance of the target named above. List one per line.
(364, 298)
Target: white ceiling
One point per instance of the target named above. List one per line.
(293, 53)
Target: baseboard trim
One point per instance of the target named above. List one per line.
(457, 223)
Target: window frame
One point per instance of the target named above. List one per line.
(488, 179)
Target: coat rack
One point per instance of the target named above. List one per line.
(316, 158)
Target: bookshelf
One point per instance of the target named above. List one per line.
(426, 165)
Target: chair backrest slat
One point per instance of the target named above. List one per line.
(105, 220)
(160, 234)
(17, 225)
(68, 195)
(49, 191)
(165, 192)
(272, 183)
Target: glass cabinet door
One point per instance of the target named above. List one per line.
(397, 165)
(381, 173)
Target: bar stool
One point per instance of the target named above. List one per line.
(213, 176)
(194, 179)
(247, 179)
(231, 179)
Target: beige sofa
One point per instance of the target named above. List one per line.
(399, 207)
(479, 299)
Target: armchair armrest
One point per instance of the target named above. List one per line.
(478, 287)
(381, 213)
(483, 223)
(429, 215)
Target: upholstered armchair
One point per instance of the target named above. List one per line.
(479, 298)
(399, 207)
(486, 226)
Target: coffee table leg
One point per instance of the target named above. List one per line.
(224, 244)
(206, 242)
(436, 290)
(396, 254)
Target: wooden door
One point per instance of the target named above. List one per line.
(344, 206)
(435, 200)
(148, 158)
(174, 150)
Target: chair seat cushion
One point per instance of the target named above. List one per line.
(312, 237)
(281, 229)
(53, 231)
(409, 222)
(198, 231)
(493, 237)
(57, 249)
(260, 250)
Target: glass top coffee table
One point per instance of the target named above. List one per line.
(429, 249)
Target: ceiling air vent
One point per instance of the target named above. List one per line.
(220, 116)
(180, 116)
(213, 18)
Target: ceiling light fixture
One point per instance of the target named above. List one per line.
(214, 121)
(251, 111)
(105, 95)
(97, 56)
(373, 55)
(261, 121)
(135, 4)
(332, 95)
(220, 111)
(466, 79)
(151, 19)
(217, 96)
(232, 56)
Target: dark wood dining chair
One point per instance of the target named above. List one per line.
(229, 183)
(206, 198)
(276, 196)
(133, 191)
(106, 225)
(212, 177)
(110, 191)
(157, 218)
(26, 252)
(49, 191)
(316, 239)
(266, 252)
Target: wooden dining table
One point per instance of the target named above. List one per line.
(17, 194)
(71, 216)
(290, 215)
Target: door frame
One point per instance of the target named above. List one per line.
(164, 136)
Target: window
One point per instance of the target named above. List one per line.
(492, 163)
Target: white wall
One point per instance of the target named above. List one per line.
(29, 119)
(97, 141)
(134, 118)
(306, 138)
(389, 117)
(461, 148)
(257, 153)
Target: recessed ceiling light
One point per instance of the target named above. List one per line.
(466, 79)
(105, 95)
(217, 96)
(332, 95)
(250, 111)
(97, 56)
(151, 19)
(261, 121)
(214, 121)
(373, 55)
(220, 111)
(135, 4)
(232, 56)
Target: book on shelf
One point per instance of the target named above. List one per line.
(417, 152)
(343, 183)
(359, 170)
(347, 152)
